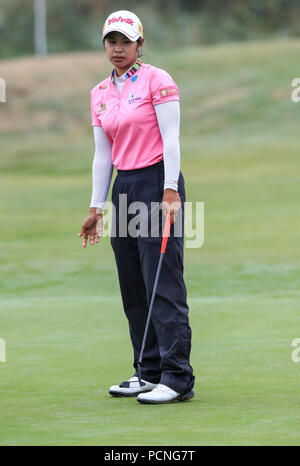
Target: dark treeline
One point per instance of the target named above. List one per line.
(77, 24)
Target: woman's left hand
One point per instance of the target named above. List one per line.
(171, 203)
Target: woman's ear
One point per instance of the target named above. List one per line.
(140, 43)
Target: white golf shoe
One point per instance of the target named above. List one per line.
(131, 387)
(163, 394)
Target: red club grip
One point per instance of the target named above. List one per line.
(165, 235)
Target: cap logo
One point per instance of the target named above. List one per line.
(123, 20)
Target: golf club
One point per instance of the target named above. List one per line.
(162, 253)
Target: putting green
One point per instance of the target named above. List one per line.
(61, 314)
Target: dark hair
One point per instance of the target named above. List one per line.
(139, 41)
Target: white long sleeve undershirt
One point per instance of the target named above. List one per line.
(102, 168)
(168, 117)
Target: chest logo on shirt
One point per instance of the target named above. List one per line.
(102, 107)
(133, 99)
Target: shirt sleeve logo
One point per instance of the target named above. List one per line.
(168, 91)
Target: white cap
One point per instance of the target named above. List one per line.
(125, 22)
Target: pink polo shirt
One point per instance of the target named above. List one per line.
(129, 119)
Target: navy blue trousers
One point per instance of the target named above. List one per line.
(166, 357)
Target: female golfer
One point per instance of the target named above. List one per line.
(136, 119)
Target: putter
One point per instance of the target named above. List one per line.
(162, 253)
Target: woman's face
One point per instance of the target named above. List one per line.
(121, 51)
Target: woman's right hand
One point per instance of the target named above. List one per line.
(92, 227)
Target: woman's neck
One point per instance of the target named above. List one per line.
(120, 71)
(118, 74)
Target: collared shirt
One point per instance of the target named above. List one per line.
(129, 119)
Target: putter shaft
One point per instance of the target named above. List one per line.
(162, 253)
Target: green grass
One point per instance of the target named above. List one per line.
(61, 313)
